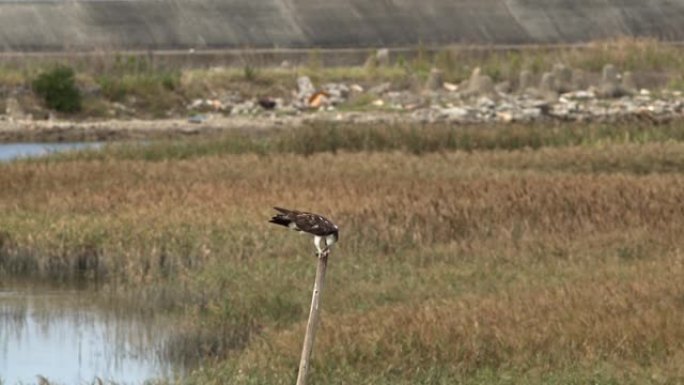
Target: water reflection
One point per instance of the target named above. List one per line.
(9, 151)
(65, 336)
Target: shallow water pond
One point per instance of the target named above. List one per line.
(10, 151)
(67, 337)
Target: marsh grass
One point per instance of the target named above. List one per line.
(152, 93)
(12, 77)
(540, 255)
(315, 138)
(418, 139)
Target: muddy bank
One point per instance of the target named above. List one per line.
(117, 130)
(26, 130)
(484, 113)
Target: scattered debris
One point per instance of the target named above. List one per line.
(435, 80)
(380, 89)
(207, 105)
(525, 82)
(451, 87)
(480, 85)
(547, 87)
(611, 86)
(456, 113)
(558, 94)
(336, 92)
(562, 79)
(319, 99)
(267, 103)
(503, 87)
(629, 83)
(198, 118)
(305, 88)
(247, 107)
(382, 57)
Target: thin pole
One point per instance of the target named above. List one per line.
(313, 317)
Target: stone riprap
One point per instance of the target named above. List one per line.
(76, 25)
(581, 106)
(558, 95)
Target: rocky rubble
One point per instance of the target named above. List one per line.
(571, 106)
(559, 94)
(562, 94)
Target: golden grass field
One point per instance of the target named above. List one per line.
(561, 264)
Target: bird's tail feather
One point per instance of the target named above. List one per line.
(280, 220)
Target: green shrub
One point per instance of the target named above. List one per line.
(58, 88)
(250, 72)
(152, 93)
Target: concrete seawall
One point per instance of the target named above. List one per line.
(55, 25)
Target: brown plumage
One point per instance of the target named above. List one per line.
(317, 225)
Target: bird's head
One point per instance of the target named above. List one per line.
(335, 235)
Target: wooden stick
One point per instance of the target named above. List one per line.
(313, 317)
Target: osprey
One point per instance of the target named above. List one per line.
(317, 225)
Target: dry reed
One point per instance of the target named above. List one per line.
(557, 264)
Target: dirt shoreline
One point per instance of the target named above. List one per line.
(20, 130)
(123, 130)
(116, 130)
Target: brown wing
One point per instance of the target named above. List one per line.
(314, 224)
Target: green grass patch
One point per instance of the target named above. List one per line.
(383, 137)
(152, 93)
